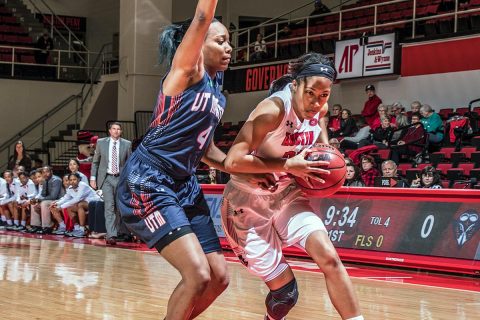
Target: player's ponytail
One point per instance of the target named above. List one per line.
(170, 39)
(280, 83)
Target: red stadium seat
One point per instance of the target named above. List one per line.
(445, 113)
(403, 167)
(444, 154)
(475, 158)
(455, 174)
(461, 111)
(467, 167)
(464, 154)
(444, 167)
(476, 142)
(445, 184)
(412, 174)
(475, 173)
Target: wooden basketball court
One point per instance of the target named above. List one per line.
(54, 278)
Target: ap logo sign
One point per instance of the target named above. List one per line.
(349, 59)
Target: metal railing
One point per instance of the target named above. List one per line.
(69, 111)
(339, 32)
(21, 62)
(72, 37)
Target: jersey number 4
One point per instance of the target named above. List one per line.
(203, 137)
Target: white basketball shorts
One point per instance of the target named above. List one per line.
(259, 226)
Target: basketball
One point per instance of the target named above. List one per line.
(337, 168)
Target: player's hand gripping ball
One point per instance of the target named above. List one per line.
(337, 168)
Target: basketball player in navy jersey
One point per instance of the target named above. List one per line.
(158, 194)
(258, 223)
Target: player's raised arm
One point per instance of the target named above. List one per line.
(187, 64)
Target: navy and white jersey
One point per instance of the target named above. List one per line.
(182, 127)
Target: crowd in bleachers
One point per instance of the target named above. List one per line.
(410, 143)
(358, 21)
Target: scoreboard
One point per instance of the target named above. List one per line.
(438, 226)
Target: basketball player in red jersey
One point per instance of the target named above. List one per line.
(258, 222)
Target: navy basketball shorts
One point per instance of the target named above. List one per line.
(152, 204)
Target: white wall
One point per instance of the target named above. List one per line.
(25, 101)
(454, 89)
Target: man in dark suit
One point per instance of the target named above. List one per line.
(110, 156)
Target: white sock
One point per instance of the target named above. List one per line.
(81, 228)
(9, 222)
(4, 219)
(76, 226)
(356, 318)
(24, 223)
(61, 225)
(15, 222)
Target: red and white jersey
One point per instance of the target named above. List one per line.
(291, 137)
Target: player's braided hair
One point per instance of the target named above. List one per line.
(296, 66)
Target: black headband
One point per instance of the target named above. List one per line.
(319, 70)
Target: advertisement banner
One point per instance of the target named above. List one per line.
(375, 57)
(379, 55)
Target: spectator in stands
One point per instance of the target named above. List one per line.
(429, 178)
(370, 108)
(368, 172)
(382, 112)
(8, 204)
(398, 109)
(415, 107)
(409, 141)
(73, 167)
(51, 188)
(324, 121)
(389, 170)
(75, 201)
(44, 44)
(353, 177)
(432, 123)
(320, 8)
(334, 143)
(110, 157)
(335, 118)
(362, 134)
(285, 32)
(259, 49)
(381, 135)
(212, 175)
(20, 158)
(401, 121)
(347, 125)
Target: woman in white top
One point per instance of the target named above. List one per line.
(73, 167)
(75, 200)
(263, 216)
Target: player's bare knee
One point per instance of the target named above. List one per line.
(198, 280)
(330, 262)
(223, 280)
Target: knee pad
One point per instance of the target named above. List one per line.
(279, 302)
